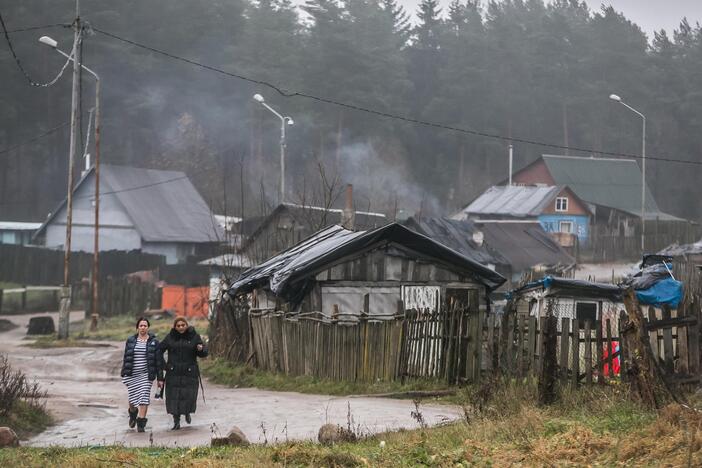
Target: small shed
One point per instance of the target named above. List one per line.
(343, 273)
(570, 298)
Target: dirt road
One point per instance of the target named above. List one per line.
(89, 401)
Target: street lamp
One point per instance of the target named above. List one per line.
(618, 99)
(284, 120)
(46, 40)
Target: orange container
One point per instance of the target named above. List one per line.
(188, 302)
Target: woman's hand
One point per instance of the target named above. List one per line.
(199, 347)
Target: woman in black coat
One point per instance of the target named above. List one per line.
(184, 346)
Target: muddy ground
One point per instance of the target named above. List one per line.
(89, 402)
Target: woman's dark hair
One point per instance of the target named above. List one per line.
(142, 319)
(180, 319)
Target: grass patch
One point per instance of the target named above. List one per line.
(21, 401)
(50, 341)
(520, 433)
(238, 375)
(27, 419)
(118, 328)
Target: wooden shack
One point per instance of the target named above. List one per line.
(342, 275)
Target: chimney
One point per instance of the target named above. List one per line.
(348, 216)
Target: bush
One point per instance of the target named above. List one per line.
(16, 389)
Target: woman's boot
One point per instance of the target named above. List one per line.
(176, 422)
(141, 424)
(187, 418)
(133, 412)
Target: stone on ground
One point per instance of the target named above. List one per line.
(8, 438)
(330, 434)
(235, 437)
(43, 325)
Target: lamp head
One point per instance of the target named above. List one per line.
(289, 121)
(258, 98)
(48, 41)
(614, 97)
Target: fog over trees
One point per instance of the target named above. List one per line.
(517, 68)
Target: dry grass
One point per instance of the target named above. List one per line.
(593, 427)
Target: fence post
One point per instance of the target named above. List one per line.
(588, 352)
(565, 340)
(549, 365)
(1, 294)
(576, 352)
(668, 342)
(599, 351)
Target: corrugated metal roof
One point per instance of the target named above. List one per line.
(615, 183)
(511, 200)
(163, 205)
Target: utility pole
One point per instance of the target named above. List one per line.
(65, 307)
(96, 250)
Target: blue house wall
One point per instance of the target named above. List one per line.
(581, 225)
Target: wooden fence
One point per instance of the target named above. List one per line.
(365, 351)
(605, 245)
(463, 345)
(117, 296)
(44, 267)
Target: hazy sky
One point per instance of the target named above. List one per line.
(651, 15)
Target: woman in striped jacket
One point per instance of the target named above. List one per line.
(142, 364)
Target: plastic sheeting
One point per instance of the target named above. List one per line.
(573, 288)
(665, 292)
(655, 285)
(288, 274)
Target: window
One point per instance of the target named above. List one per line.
(562, 204)
(8, 238)
(586, 311)
(566, 227)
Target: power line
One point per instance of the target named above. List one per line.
(34, 28)
(389, 115)
(35, 138)
(19, 63)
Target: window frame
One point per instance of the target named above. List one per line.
(563, 205)
(572, 227)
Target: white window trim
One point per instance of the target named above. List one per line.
(564, 204)
(572, 227)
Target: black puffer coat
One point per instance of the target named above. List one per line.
(182, 372)
(154, 358)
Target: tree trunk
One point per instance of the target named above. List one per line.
(643, 373)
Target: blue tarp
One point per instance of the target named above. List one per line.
(666, 291)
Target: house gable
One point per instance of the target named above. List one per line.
(575, 206)
(535, 173)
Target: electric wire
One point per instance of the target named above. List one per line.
(34, 28)
(19, 63)
(390, 115)
(35, 138)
